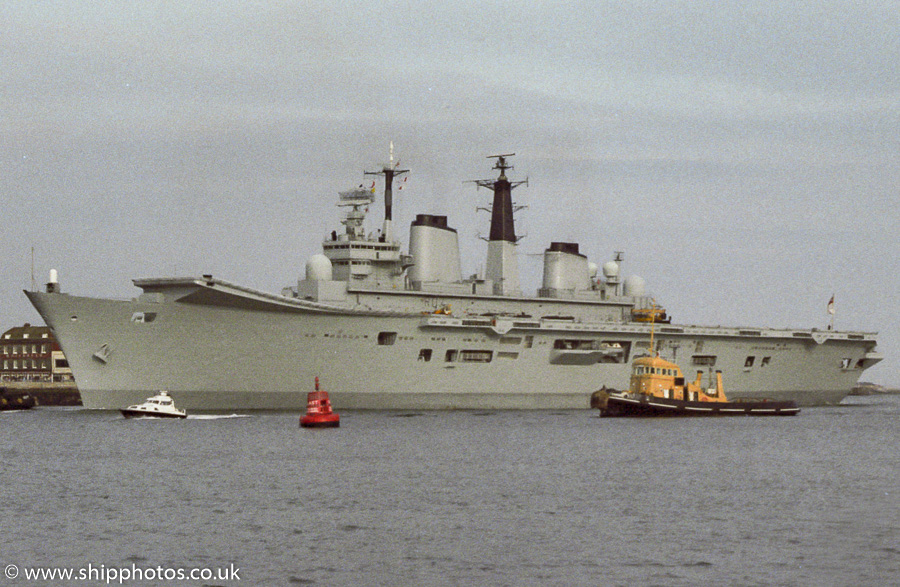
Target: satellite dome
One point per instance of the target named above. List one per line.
(634, 286)
(592, 270)
(610, 269)
(318, 268)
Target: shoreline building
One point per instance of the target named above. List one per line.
(30, 354)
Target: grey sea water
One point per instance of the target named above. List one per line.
(459, 498)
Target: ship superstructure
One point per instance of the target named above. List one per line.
(392, 330)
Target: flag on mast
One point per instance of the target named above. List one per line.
(830, 307)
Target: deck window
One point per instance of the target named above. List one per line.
(425, 355)
(749, 362)
(387, 338)
(143, 317)
(708, 360)
(468, 356)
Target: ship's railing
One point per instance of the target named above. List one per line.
(817, 336)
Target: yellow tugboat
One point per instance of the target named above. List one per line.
(658, 388)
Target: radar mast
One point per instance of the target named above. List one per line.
(389, 171)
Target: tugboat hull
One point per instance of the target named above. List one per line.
(15, 400)
(619, 405)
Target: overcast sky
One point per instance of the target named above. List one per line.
(745, 155)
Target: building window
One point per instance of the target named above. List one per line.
(706, 360)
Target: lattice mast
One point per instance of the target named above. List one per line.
(502, 265)
(390, 170)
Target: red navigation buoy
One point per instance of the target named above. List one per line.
(318, 411)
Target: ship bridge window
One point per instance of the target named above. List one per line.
(425, 355)
(845, 363)
(387, 338)
(765, 361)
(749, 362)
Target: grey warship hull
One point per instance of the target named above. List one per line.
(217, 346)
(387, 330)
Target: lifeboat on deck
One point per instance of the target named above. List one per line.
(654, 314)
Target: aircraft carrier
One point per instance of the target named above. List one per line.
(388, 329)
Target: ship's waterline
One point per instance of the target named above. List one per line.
(387, 330)
(296, 401)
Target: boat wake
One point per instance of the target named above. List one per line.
(217, 416)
